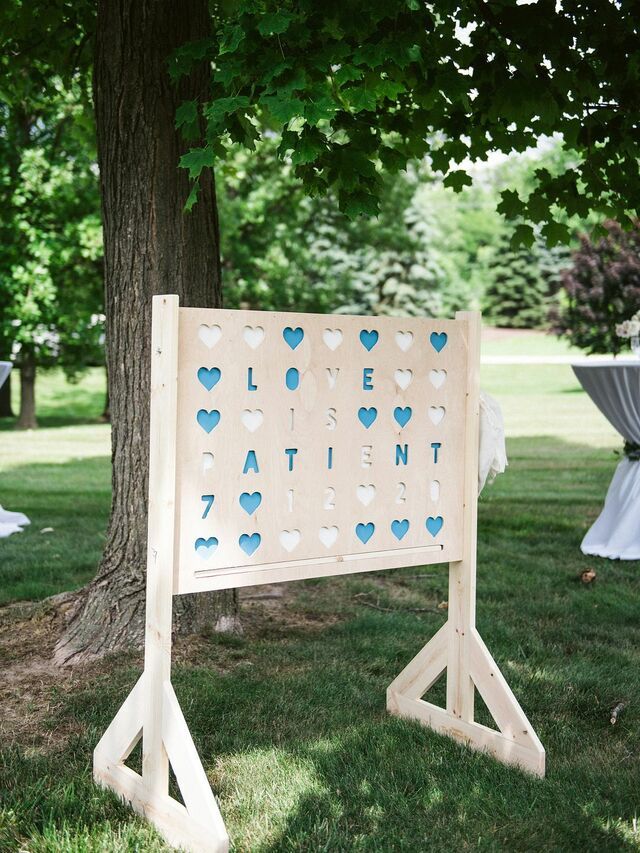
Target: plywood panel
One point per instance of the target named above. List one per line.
(310, 440)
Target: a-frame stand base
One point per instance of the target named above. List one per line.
(515, 743)
(194, 826)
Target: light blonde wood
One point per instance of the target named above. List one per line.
(160, 541)
(186, 462)
(316, 407)
(462, 574)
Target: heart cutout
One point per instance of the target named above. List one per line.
(252, 420)
(206, 547)
(250, 501)
(404, 340)
(399, 528)
(332, 338)
(403, 378)
(364, 532)
(438, 340)
(289, 539)
(366, 494)
(434, 525)
(328, 536)
(293, 336)
(437, 377)
(368, 339)
(402, 416)
(367, 416)
(209, 376)
(208, 420)
(249, 544)
(253, 336)
(209, 335)
(436, 414)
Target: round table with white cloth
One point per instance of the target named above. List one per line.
(614, 386)
(10, 522)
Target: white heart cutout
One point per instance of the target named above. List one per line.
(366, 494)
(332, 338)
(252, 419)
(437, 377)
(328, 536)
(403, 378)
(253, 336)
(289, 539)
(404, 340)
(436, 414)
(209, 335)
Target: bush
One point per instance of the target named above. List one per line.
(602, 288)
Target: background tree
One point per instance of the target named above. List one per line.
(51, 284)
(602, 288)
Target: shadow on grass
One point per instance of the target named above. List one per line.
(291, 725)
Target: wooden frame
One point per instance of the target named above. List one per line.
(151, 710)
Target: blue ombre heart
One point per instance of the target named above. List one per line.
(368, 339)
(250, 501)
(293, 336)
(364, 532)
(399, 528)
(434, 525)
(402, 416)
(209, 376)
(249, 543)
(367, 416)
(208, 420)
(206, 547)
(438, 340)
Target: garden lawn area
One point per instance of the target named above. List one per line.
(289, 718)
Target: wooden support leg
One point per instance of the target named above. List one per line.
(515, 743)
(197, 825)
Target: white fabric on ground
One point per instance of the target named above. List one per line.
(11, 522)
(492, 456)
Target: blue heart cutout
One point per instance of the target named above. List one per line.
(402, 416)
(249, 543)
(438, 340)
(368, 339)
(367, 416)
(399, 528)
(206, 547)
(434, 525)
(364, 532)
(293, 336)
(209, 376)
(208, 420)
(250, 501)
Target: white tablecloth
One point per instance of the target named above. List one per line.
(614, 386)
(10, 522)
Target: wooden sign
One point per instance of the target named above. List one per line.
(290, 446)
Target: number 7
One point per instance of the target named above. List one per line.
(209, 499)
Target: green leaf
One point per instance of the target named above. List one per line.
(359, 204)
(457, 180)
(275, 23)
(522, 236)
(283, 108)
(196, 160)
(193, 195)
(556, 233)
(187, 119)
(222, 107)
(511, 205)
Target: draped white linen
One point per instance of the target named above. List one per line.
(10, 522)
(614, 386)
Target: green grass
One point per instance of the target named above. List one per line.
(289, 719)
(528, 343)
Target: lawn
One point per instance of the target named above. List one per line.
(289, 718)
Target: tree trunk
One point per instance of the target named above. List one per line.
(6, 410)
(151, 247)
(27, 416)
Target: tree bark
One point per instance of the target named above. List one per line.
(151, 247)
(27, 416)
